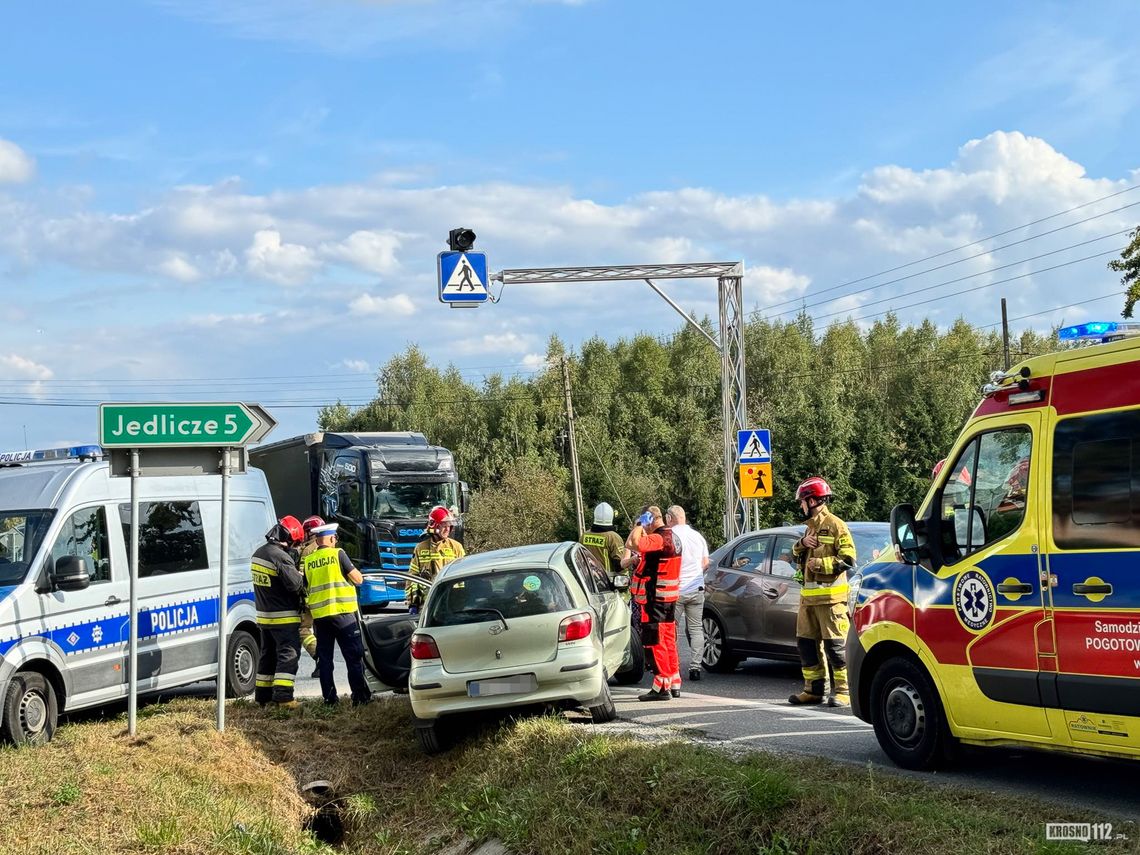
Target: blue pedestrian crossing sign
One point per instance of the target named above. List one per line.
(463, 278)
(753, 446)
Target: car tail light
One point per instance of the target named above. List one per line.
(424, 647)
(575, 627)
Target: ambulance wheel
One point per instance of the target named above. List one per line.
(907, 716)
(716, 656)
(242, 653)
(30, 710)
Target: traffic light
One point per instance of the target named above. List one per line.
(460, 240)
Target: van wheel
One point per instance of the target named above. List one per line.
(907, 716)
(30, 710)
(431, 738)
(606, 710)
(635, 662)
(717, 656)
(242, 653)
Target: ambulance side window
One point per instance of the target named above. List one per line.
(84, 535)
(985, 495)
(1096, 482)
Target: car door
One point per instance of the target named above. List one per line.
(740, 587)
(781, 594)
(611, 610)
(91, 626)
(1094, 571)
(985, 610)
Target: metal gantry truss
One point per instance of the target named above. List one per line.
(730, 286)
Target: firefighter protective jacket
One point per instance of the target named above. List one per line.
(836, 551)
(276, 585)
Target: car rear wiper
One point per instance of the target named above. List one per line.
(485, 611)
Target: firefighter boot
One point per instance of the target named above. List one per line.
(811, 694)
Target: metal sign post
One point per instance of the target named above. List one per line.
(180, 439)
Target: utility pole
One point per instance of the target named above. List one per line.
(1005, 333)
(573, 448)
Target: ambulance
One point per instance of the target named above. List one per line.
(1009, 611)
(65, 584)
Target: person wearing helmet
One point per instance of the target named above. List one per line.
(277, 586)
(308, 637)
(823, 555)
(432, 554)
(604, 543)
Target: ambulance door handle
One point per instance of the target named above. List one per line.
(112, 601)
(1085, 590)
(1015, 588)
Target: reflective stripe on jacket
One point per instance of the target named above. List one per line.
(428, 558)
(329, 592)
(658, 575)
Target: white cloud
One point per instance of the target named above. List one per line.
(534, 361)
(177, 267)
(24, 368)
(16, 166)
(357, 366)
(399, 305)
(507, 342)
(249, 319)
(370, 251)
(287, 263)
(771, 284)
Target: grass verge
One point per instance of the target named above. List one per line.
(539, 785)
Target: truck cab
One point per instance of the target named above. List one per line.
(1009, 613)
(379, 486)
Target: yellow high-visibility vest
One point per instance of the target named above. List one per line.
(329, 592)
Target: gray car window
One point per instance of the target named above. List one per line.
(755, 550)
(783, 562)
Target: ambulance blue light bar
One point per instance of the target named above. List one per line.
(1103, 330)
(75, 452)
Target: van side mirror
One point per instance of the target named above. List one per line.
(464, 497)
(70, 573)
(904, 533)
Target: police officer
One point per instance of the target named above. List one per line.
(308, 637)
(432, 554)
(605, 543)
(824, 555)
(332, 581)
(277, 592)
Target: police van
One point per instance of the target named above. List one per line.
(1010, 611)
(65, 584)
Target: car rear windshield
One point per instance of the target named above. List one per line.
(509, 593)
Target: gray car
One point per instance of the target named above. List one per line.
(752, 598)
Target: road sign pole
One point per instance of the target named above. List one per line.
(223, 592)
(133, 651)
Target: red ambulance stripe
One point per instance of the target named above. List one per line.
(886, 607)
(1104, 388)
(999, 401)
(1010, 645)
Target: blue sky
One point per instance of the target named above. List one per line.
(200, 190)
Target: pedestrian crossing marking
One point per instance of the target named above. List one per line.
(464, 279)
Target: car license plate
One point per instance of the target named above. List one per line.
(517, 685)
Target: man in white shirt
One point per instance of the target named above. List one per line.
(691, 603)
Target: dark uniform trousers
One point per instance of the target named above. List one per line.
(277, 668)
(342, 631)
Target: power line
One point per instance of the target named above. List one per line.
(958, 248)
(980, 273)
(1117, 293)
(960, 261)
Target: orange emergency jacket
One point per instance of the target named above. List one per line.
(657, 578)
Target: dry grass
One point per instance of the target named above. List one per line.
(541, 785)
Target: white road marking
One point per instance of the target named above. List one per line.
(791, 733)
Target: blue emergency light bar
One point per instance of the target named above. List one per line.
(75, 452)
(1103, 330)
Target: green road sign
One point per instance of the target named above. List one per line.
(172, 425)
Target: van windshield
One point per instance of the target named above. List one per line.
(21, 533)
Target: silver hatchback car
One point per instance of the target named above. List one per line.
(535, 625)
(752, 598)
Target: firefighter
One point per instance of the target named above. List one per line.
(656, 587)
(332, 581)
(277, 585)
(605, 543)
(308, 637)
(824, 555)
(432, 554)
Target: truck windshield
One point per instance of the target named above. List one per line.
(410, 501)
(21, 533)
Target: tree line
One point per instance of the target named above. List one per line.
(870, 409)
